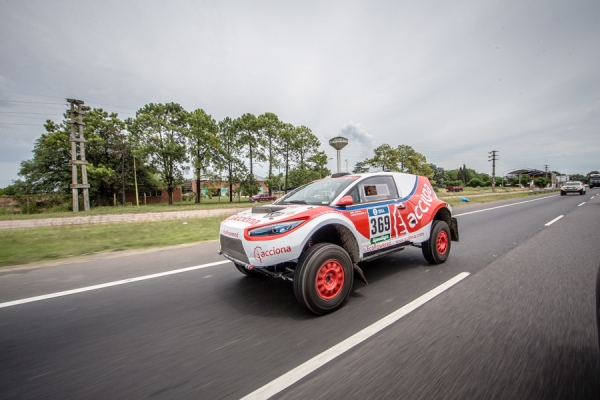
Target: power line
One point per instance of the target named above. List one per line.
(29, 102)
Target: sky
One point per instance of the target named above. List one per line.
(454, 80)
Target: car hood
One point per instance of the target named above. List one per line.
(261, 215)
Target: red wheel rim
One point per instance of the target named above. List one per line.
(442, 242)
(330, 279)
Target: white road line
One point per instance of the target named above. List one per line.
(506, 205)
(554, 220)
(592, 197)
(581, 204)
(293, 376)
(109, 284)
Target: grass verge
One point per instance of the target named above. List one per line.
(22, 246)
(206, 204)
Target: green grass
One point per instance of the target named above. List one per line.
(22, 246)
(206, 204)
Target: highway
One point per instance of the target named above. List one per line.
(518, 321)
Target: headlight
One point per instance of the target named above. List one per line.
(275, 229)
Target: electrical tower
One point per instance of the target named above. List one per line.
(78, 141)
(493, 159)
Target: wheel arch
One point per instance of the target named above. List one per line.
(337, 234)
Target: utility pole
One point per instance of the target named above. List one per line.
(493, 159)
(76, 113)
(546, 169)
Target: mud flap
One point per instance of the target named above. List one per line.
(360, 274)
(454, 230)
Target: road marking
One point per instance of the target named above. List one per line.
(592, 197)
(581, 204)
(109, 284)
(554, 220)
(506, 205)
(293, 376)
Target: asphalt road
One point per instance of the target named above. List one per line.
(520, 325)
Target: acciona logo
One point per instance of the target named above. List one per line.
(259, 253)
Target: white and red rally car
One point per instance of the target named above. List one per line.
(316, 235)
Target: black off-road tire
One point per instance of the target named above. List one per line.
(245, 271)
(437, 248)
(323, 278)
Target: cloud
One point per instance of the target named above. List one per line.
(355, 132)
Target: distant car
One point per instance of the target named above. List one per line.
(594, 180)
(572, 187)
(316, 235)
(262, 197)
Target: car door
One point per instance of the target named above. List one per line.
(372, 212)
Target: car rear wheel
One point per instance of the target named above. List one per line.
(245, 271)
(437, 248)
(323, 278)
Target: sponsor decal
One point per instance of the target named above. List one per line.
(418, 235)
(246, 220)
(379, 222)
(274, 214)
(421, 206)
(259, 253)
(229, 233)
(378, 246)
(380, 239)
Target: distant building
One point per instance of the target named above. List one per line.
(152, 197)
(207, 185)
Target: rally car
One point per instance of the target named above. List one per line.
(315, 235)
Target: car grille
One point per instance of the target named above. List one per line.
(234, 248)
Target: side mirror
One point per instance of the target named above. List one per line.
(345, 201)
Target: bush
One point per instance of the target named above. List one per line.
(541, 182)
(29, 207)
(454, 183)
(475, 182)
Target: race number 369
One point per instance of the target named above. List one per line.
(380, 224)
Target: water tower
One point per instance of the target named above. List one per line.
(338, 143)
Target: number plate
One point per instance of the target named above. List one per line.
(380, 224)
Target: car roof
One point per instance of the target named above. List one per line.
(369, 174)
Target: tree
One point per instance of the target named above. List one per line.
(270, 131)
(439, 175)
(249, 137)
(49, 170)
(463, 174)
(227, 158)
(305, 145)
(361, 167)
(161, 131)
(385, 159)
(106, 150)
(310, 162)
(202, 136)
(285, 142)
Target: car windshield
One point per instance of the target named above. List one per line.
(573, 183)
(318, 192)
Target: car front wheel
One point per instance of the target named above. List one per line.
(437, 248)
(563, 193)
(323, 278)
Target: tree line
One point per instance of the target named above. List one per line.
(162, 143)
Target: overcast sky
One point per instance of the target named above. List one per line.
(454, 80)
